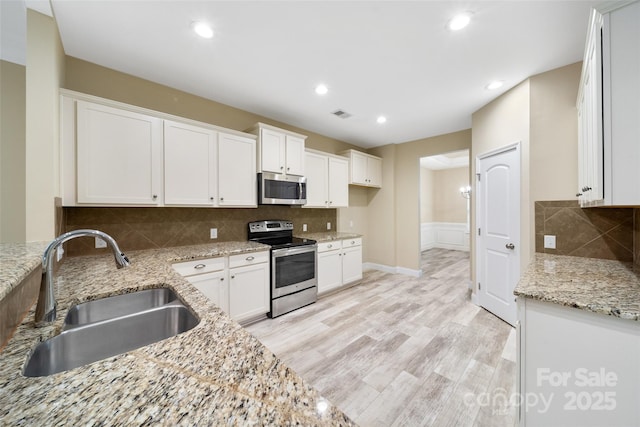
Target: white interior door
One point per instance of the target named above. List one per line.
(498, 222)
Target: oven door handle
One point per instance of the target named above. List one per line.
(277, 253)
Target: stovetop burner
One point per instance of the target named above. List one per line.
(276, 233)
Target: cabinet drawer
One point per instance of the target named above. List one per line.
(248, 259)
(329, 246)
(347, 243)
(200, 266)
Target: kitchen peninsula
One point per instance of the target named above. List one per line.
(216, 373)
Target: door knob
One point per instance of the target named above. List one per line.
(510, 246)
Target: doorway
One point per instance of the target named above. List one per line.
(444, 206)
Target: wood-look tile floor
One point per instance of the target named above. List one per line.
(401, 351)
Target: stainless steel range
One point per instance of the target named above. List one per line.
(294, 270)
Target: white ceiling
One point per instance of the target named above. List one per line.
(455, 159)
(395, 58)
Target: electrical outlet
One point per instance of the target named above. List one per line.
(304, 227)
(59, 253)
(549, 242)
(328, 226)
(100, 243)
(213, 233)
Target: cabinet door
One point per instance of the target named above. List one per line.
(329, 270)
(237, 185)
(214, 286)
(272, 151)
(358, 168)
(189, 165)
(374, 172)
(295, 155)
(351, 264)
(338, 183)
(249, 291)
(119, 156)
(317, 180)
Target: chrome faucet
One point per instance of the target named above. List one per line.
(46, 307)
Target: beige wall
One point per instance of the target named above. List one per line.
(541, 113)
(554, 134)
(440, 199)
(427, 190)
(450, 206)
(394, 211)
(12, 153)
(44, 75)
(92, 79)
(502, 122)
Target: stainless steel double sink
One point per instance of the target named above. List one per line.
(103, 328)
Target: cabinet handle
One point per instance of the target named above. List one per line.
(221, 198)
(353, 242)
(329, 247)
(330, 202)
(222, 279)
(211, 198)
(233, 277)
(250, 258)
(288, 168)
(155, 196)
(281, 167)
(578, 194)
(199, 266)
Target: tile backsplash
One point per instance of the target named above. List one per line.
(606, 233)
(149, 228)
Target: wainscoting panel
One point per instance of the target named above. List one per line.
(444, 235)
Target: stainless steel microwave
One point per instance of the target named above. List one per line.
(277, 189)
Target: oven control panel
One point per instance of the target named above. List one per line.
(270, 225)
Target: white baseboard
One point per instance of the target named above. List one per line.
(444, 235)
(393, 270)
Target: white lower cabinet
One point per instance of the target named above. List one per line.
(213, 286)
(238, 284)
(576, 367)
(339, 263)
(249, 292)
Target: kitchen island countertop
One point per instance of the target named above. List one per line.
(216, 373)
(596, 285)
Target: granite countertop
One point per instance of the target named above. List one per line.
(597, 285)
(326, 236)
(17, 261)
(216, 373)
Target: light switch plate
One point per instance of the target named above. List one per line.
(549, 241)
(213, 233)
(304, 227)
(328, 226)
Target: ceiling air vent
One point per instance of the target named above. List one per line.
(341, 114)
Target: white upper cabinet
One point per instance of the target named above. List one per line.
(190, 165)
(327, 180)
(609, 109)
(317, 173)
(365, 169)
(119, 156)
(237, 184)
(338, 182)
(279, 150)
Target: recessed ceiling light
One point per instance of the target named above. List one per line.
(495, 85)
(381, 119)
(458, 22)
(322, 89)
(202, 29)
